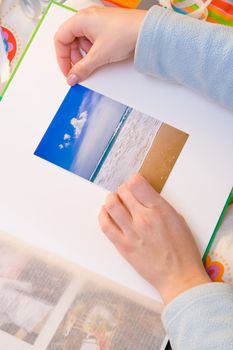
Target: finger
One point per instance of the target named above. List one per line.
(129, 201)
(119, 213)
(110, 229)
(85, 44)
(85, 67)
(63, 52)
(143, 192)
(77, 45)
(65, 36)
(75, 54)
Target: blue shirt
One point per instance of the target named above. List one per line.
(199, 55)
(191, 52)
(201, 318)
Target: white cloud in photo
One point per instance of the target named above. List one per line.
(61, 146)
(66, 137)
(78, 123)
(67, 144)
(101, 125)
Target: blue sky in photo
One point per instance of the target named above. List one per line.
(80, 131)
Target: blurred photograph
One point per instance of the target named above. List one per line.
(102, 319)
(30, 288)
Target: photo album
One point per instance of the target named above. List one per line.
(63, 285)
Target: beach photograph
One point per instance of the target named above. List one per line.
(105, 141)
(30, 289)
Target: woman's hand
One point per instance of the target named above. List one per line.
(106, 34)
(153, 238)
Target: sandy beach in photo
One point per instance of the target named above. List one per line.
(163, 155)
(129, 150)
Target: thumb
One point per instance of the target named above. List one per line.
(84, 67)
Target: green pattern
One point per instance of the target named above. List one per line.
(220, 19)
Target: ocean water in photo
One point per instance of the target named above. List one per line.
(80, 132)
(129, 150)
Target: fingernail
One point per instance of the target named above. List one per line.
(72, 79)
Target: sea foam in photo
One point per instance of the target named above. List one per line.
(99, 139)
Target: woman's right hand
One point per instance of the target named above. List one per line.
(106, 34)
(153, 238)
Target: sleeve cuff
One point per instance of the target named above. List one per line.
(194, 298)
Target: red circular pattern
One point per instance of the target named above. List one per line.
(10, 43)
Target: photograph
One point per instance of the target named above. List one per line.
(30, 288)
(102, 319)
(105, 141)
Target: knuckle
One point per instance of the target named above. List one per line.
(104, 223)
(82, 12)
(89, 10)
(105, 226)
(57, 35)
(111, 201)
(122, 190)
(93, 9)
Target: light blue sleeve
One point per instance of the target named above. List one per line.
(201, 318)
(188, 51)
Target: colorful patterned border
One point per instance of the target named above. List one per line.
(15, 37)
